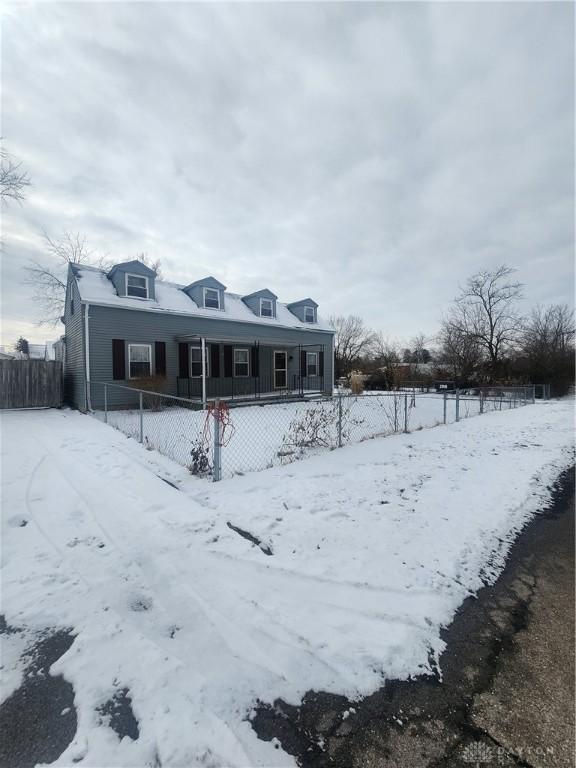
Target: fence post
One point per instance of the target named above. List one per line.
(405, 413)
(141, 419)
(339, 419)
(481, 402)
(457, 405)
(445, 400)
(533, 394)
(105, 404)
(217, 472)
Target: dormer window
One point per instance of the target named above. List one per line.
(211, 298)
(137, 286)
(266, 308)
(309, 315)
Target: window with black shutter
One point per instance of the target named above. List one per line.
(241, 363)
(196, 362)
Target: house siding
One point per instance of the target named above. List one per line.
(141, 327)
(74, 360)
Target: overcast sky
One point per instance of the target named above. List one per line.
(370, 155)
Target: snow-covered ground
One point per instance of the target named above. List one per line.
(373, 548)
(262, 436)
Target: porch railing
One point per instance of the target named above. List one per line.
(248, 387)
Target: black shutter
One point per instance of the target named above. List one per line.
(214, 360)
(321, 363)
(160, 357)
(254, 361)
(183, 361)
(118, 359)
(302, 362)
(227, 361)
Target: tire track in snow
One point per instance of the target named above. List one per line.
(222, 627)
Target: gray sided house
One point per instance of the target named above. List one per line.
(196, 341)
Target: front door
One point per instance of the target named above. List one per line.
(280, 370)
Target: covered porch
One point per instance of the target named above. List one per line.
(242, 371)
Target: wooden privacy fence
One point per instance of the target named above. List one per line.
(31, 384)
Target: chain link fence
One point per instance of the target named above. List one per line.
(221, 442)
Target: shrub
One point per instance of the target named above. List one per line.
(357, 382)
(154, 384)
(200, 464)
(310, 429)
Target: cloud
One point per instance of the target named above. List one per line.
(370, 154)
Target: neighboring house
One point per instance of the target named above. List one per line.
(6, 355)
(125, 324)
(35, 352)
(59, 349)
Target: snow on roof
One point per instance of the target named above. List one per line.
(96, 288)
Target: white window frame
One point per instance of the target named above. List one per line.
(274, 369)
(307, 308)
(217, 292)
(269, 301)
(137, 344)
(140, 277)
(308, 363)
(206, 355)
(241, 362)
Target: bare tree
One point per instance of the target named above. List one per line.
(13, 179)
(486, 313)
(420, 352)
(384, 350)
(386, 356)
(48, 279)
(352, 340)
(153, 264)
(459, 353)
(548, 331)
(547, 346)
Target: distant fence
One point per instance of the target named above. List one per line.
(31, 384)
(218, 442)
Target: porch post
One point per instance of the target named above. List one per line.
(203, 372)
(256, 373)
